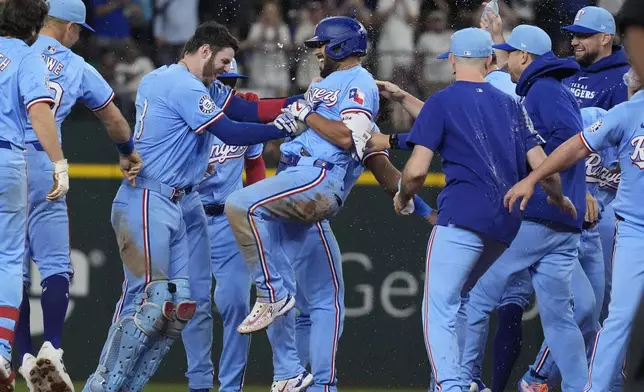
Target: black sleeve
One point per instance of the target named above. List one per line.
(631, 14)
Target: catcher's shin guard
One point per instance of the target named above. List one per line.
(184, 310)
(129, 337)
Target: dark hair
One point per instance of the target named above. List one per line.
(213, 34)
(23, 19)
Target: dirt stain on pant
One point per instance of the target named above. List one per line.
(133, 256)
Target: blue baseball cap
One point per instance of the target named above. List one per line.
(70, 11)
(232, 74)
(593, 20)
(529, 39)
(471, 42)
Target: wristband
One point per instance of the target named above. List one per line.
(393, 141)
(126, 148)
(422, 209)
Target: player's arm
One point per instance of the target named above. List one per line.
(255, 167)
(415, 173)
(335, 132)
(395, 141)
(389, 177)
(494, 25)
(35, 95)
(394, 93)
(264, 110)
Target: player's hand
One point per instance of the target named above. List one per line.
(300, 109)
(433, 217)
(131, 165)
(492, 23)
(289, 124)
(248, 96)
(592, 211)
(565, 205)
(61, 181)
(378, 142)
(523, 191)
(390, 91)
(402, 206)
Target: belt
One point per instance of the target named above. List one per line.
(296, 160)
(619, 217)
(214, 209)
(174, 194)
(37, 146)
(5, 144)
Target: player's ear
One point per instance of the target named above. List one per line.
(452, 62)
(206, 51)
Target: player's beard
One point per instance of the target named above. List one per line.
(588, 59)
(209, 73)
(329, 66)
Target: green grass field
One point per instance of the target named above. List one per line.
(156, 387)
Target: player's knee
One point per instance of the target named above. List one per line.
(584, 308)
(184, 307)
(156, 307)
(234, 301)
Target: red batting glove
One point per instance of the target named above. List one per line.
(249, 96)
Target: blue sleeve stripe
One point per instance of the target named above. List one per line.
(209, 123)
(357, 110)
(583, 140)
(48, 100)
(103, 106)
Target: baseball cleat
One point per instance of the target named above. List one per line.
(264, 313)
(297, 384)
(7, 378)
(29, 371)
(478, 386)
(52, 370)
(532, 387)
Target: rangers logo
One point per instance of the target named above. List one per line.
(595, 127)
(356, 96)
(206, 105)
(597, 173)
(638, 152)
(317, 95)
(581, 13)
(222, 152)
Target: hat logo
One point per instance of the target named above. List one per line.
(581, 13)
(603, 27)
(467, 53)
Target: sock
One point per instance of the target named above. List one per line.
(23, 329)
(54, 301)
(507, 344)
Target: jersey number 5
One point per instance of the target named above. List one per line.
(58, 95)
(138, 131)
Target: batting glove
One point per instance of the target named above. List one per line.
(300, 109)
(287, 123)
(61, 181)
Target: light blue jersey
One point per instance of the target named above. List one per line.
(173, 109)
(23, 82)
(71, 80)
(623, 127)
(602, 173)
(351, 90)
(503, 81)
(224, 176)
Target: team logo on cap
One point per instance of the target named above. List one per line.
(579, 15)
(206, 105)
(595, 127)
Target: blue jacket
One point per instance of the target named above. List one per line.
(601, 84)
(556, 116)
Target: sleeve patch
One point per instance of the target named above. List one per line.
(206, 105)
(356, 96)
(596, 125)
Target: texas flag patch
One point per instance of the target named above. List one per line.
(356, 96)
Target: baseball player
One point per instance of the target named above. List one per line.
(71, 79)
(310, 188)
(174, 110)
(24, 96)
(232, 292)
(553, 259)
(621, 127)
(470, 233)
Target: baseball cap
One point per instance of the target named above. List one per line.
(232, 73)
(593, 20)
(69, 10)
(529, 39)
(471, 42)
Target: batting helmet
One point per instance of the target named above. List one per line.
(342, 35)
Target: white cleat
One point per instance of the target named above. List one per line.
(264, 313)
(52, 370)
(297, 384)
(30, 372)
(474, 387)
(7, 381)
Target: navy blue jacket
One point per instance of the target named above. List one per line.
(556, 116)
(601, 84)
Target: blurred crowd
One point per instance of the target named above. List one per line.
(134, 36)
